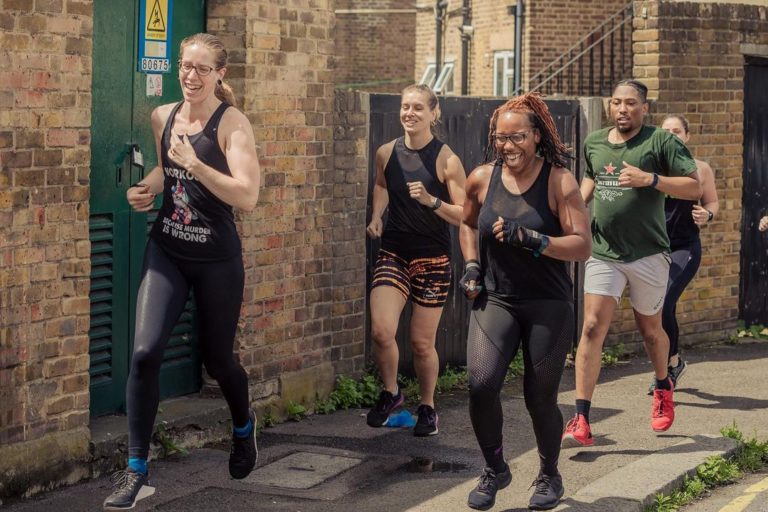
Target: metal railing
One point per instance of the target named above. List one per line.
(591, 66)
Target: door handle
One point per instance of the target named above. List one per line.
(137, 158)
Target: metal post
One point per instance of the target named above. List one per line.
(519, 47)
(465, 36)
(439, 17)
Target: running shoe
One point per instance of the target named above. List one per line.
(379, 414)
(483, 496)
(675, 373)
(243, 453)
(577, 433)
(547, 492)
(130, 486)
(426, 424)
(663, 410)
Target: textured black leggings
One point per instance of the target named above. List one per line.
(497, 328)
(685, 262)
(165, 285)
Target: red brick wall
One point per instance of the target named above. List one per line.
(45, 100)
(690, 56)
(374, 50)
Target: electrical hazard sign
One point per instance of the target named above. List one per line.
(155, 36)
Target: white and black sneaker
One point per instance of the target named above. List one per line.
(130, 487)
(243, 454)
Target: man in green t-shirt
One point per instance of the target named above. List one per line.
(630, 169)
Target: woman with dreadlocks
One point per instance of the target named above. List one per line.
(524, 218)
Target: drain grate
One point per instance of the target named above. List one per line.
(301, 470)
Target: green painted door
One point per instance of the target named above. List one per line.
(121, 130)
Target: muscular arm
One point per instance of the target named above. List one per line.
(709, 201)
(684, 187)
(241, 189)
(380, 198)
(476, 184)
(455, 179)
(142, 199)
(587, 189)
(576, 242)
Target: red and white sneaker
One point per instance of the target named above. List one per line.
(577, 433)
(663, 409)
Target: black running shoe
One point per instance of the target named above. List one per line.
(426, 424)
(243, 454)
(483, 496)
(379, 413)
(130, 487)
(547, 493)
(675, 373)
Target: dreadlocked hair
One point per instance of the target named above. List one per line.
(550, 146)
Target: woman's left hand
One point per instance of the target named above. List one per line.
(700, 215)
(418, 192)
(182, 152)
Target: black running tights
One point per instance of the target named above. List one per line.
(164, 289)
(686, 259)
(497, 329)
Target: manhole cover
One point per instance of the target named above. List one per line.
(301, 470)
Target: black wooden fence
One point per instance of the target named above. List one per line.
(464, 128)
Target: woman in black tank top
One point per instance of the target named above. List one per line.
(421, 182)
(527, 218)
(206, 165)
(684, 219)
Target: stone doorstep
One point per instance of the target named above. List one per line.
(191, 421)
(662, 472)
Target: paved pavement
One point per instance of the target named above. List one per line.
(336, 463)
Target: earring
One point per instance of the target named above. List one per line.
(218, 82)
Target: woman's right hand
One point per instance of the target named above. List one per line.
(763, 224)
(374, 228)
(140, 198)
(471, 280)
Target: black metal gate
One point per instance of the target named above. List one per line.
(753, 292)
(464, 128)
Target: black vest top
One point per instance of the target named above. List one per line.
(514, 272)
(414, 230)
(192, 223)
(680, 226)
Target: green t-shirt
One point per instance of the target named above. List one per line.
(628, 223)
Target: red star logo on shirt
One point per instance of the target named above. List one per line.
(609, 168)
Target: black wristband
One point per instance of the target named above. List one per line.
(138, 185)
(437, 204)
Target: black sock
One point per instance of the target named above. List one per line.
(582, 407)
(665, 383)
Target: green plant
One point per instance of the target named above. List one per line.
(612, 355)
(295, 411)
(516, 367)
(451, 378)
(267, 419)
(717, 471)
(167, 445)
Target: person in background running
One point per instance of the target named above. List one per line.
(684, 218)
(524, 218)
(631, 168)
(207, 165)
(422, 182)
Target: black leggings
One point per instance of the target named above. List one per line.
(165, 285)
(685, 262)
(497, 328)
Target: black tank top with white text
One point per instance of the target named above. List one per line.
(414, 230)
(680, 226)
(192, 223)
(514, 272)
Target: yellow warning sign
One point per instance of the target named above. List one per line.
(157, 20)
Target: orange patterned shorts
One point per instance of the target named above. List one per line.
(426, 280)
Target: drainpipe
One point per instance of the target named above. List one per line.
(440, 6)
(466, 34)
(519, 47)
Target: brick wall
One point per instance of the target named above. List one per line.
(689, 55)
(45, 100)
(551, 27)
(304, 298)
(374, 46)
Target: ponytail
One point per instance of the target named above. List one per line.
(225, 93)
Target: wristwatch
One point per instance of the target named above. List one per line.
(437, 203)
(711, 216)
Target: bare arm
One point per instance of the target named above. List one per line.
(142, 199)
(380, 198)
(449, 165)
(576, 242)
(709, 201)
(241, 189)
(476, 184)
(587, 189)
(684, 187)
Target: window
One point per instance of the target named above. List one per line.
(503, 73)
(429, 75)
(442, 84)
